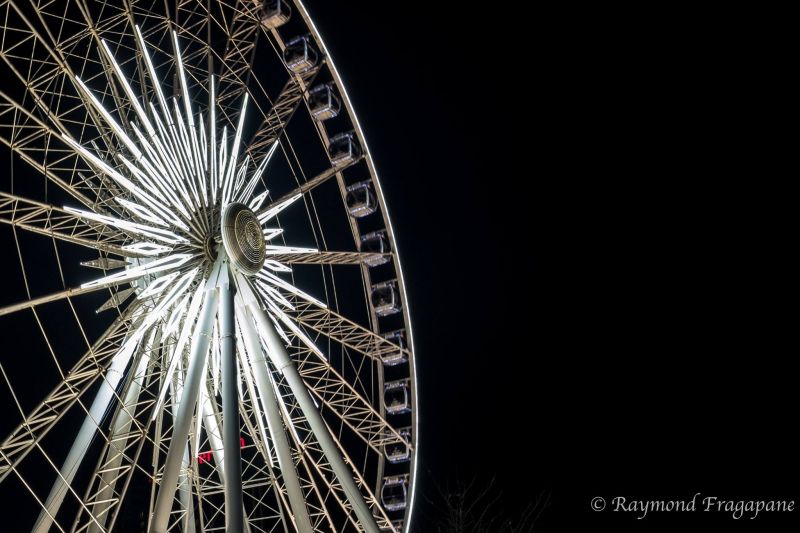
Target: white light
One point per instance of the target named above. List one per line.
(189, 117)
(272, 211)
(241, 173)
(271, 233)
(203, 142)
(146, 248)
(273, 294)
(247, 191)
(172, 161)
(139, 211)
(155, 169)
(158, 285)
(187, 162)
(157, 187)
(116, 176)
(275, 280)
(175, 318)
(223, 154)
(159, 265)
(177, 350)
(126, 86)
(212, 104)
(228, 180)
(156, 314)
(155, 233)
(275, 266)
(153, 76)
(273, 249)
(255, 203)
(109, 119)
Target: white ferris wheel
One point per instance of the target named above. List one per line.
(202, 248)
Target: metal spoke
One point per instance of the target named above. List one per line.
(328, 258)
(56, 296)
(284, 106)
(316, 181)
(44, 219)
(348, 404)
(342, 330)
(25, 437)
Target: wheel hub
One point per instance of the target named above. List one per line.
(243, 239)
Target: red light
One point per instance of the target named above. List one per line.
(205, 457)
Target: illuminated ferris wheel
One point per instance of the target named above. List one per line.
(204, 252)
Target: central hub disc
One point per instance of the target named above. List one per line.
(243, 239)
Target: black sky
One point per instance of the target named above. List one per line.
(436, 94)
(596, 261)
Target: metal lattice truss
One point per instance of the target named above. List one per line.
(50, 221)
(238, 400)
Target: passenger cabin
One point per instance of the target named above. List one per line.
(397, 397)
(394, 493)
(385, 299)
(397, 452)
(375, 243)
(395, 356)
(323, 102)
(275, 13)
(299, 55)
(360, 199)
(343, 149)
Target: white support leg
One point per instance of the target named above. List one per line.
(84, 438)
(113, 460)
(180, 431)
(271, 410)
(280, 358)
(234, 500)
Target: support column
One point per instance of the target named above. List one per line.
(183, 420)
(269, 402)
(280, 358)
(234, 501)
(83, 440)
(184, 483)
(118, 440)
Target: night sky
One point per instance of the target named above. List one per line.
(599, 273)
(600, 276)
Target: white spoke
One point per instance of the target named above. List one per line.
(158, 234)
(277, 353)
(270, 213)
(164, 264)
(267, 278)
(177, 350)
(228, 176)
(247, 191)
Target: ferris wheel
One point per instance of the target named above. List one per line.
(202, 248)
